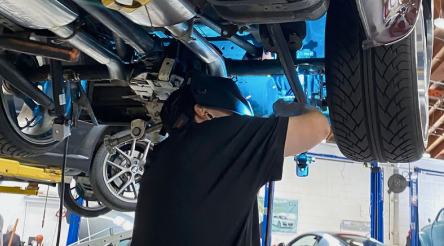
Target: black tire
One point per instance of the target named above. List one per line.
(372, 93)
(98, 182)
(13, 142)
(71, 204)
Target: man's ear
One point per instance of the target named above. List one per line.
(199, 111)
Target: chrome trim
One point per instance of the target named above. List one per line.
(161, 13)
(200, 46)
(423, 77)
(388, 21)
(37, 14)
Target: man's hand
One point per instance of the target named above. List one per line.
(285, 108)
(307, 126)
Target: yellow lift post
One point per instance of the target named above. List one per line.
(13, 169)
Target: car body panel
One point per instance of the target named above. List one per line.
(388, 21)
(433, 234)
(81, 147)
(336, 239)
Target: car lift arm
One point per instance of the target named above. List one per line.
(13, 169)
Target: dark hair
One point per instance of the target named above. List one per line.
(178, 109)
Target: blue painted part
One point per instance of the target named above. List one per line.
(74, 226)
(264, 220)
(268, 210)
(328, 156)
(377, 202)
(428, 171)
(414, 214)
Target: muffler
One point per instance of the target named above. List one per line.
(54, 16)
(175, 16)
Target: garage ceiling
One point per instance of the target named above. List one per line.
(436, 94)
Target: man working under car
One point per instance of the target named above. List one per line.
(201, 184)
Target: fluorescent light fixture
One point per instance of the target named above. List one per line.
(439, 22)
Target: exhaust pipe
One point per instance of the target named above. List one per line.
(54, 16)
(131, 33)
(89, 46)
(201, 47)
(174, 16)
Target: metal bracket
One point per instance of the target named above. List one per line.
(166, 69)
(61, 129)
(81, 102)
(227, 31)
(138, 127)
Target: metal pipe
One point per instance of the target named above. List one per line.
(45, 14)
(10, 73)
(236, 39)
(287, 61)
(133, 34)
(266, 67)
(31, 47)
(92, 48)
(84, 72)
(54, 16)
(435, 108)
(200, 46)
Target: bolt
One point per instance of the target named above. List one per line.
(225, 32)
(57, 131)
(136, 131)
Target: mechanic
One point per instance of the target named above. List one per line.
(7, 237)
(201, 183)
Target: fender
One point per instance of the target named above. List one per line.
(388, 21)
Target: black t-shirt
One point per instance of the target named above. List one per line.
(200, 188)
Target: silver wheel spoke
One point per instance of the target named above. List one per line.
(124, 154)
(135, 189)
(124, 187)
(133, 148)
(147, 148)
(116, 176)
(114, 164)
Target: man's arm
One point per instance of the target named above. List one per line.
(305, 131)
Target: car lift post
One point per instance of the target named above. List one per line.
(414, 202)
(377, 201)
(74, 226)
(268, 214)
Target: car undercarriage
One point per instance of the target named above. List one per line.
(113, 61)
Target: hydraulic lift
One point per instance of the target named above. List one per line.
(11, 169)
(414, 201)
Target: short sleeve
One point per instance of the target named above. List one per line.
(264, 152)
(251, 147)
